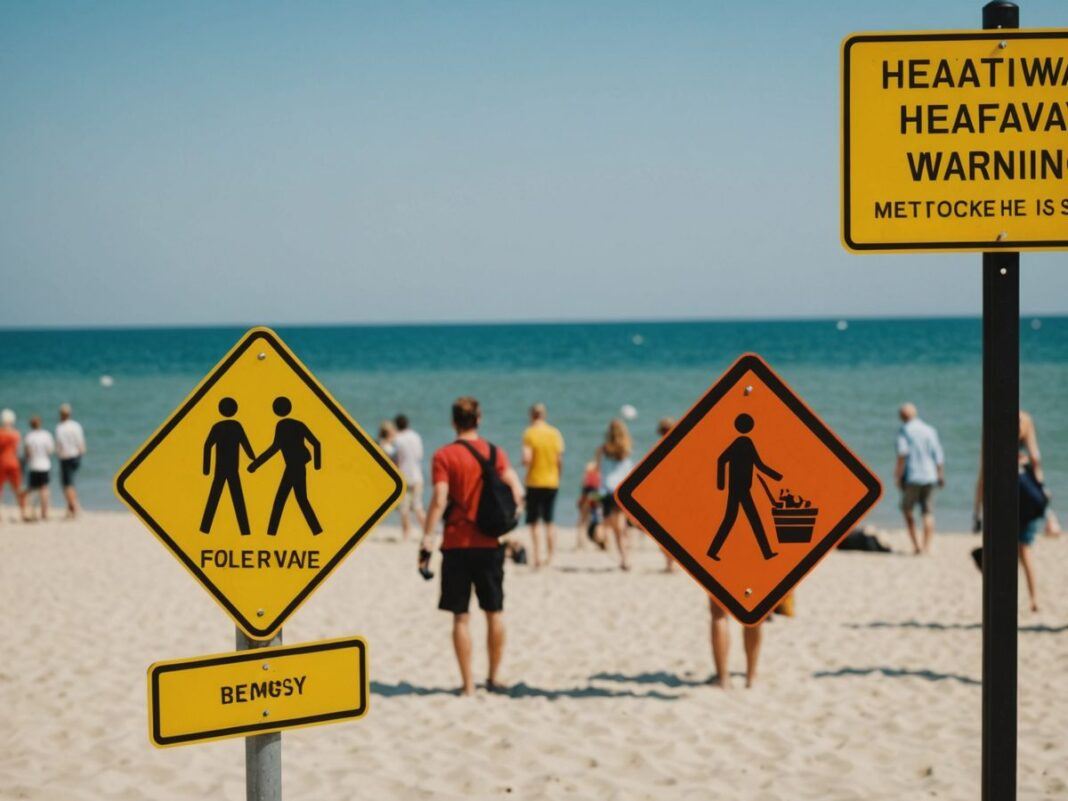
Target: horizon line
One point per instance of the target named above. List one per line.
(496, 322)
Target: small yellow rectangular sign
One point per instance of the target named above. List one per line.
(955, 140)
(256, 691)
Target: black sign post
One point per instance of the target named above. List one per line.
(1001, 427)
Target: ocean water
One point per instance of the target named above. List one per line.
(853, 378)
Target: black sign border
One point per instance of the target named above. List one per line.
(625, 491)
(254, 631)
(847, 46)
(257, 654)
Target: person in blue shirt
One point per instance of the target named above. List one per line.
(919, 470)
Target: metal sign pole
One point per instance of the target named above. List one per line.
(263, 752)
(1001, 427)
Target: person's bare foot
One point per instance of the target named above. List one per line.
(466, 691)
(495, 686)
(723, 682)
(749, 682)
(1034, 606)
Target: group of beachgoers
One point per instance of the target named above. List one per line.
(26, 461)
(474, 560)
(920, 472)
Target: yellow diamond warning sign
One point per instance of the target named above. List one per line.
(260, 483)
(955, 140)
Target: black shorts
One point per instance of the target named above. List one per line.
(463, 567)
(38, 479)
(67, 469)
(608, 504)
(541, 501)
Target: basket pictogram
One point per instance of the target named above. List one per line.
(794, 517)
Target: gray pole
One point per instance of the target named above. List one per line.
(1001, 433)
(263, 752)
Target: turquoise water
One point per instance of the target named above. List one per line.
(854, 379)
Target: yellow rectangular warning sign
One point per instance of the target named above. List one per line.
(256, 691)
(955, 140)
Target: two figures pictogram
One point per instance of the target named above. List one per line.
(228, 440)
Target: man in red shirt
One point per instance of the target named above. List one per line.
(469, 557)
(10, 470)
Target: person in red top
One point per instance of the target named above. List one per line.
(10, 470)
(469, 557)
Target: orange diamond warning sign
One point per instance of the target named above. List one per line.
(749, 490)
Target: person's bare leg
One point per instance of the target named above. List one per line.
(24, 506)
(405, 524)
(44, 503)
(928, 531)
(1027, 560)
(620, 529)
(1053, 525)
(721, 645)
(753, 635)
(461, 642)
(910, 523)
(580, 528)
(669, 563)
(550, 542)
(495, 637)
(70, 494)
(535, 545)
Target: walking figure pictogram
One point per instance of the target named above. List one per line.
(739, 461)
(227, 437)
(290, 437)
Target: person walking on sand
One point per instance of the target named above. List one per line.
(387, 434)
(920, 468)
(38, 447)
(469, 557)
(291, 439)
(1033, 503)
(721, 646)
(662, 428)
(614, 463)
(227, 439)
(543, 456)
(408, 454)
(10, 469)
(735, 470)
(70, 448)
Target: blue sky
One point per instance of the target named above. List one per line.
(198, 163)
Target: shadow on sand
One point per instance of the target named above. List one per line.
(660, 677)
(1036, 628)
(896, 673)
(520, 690)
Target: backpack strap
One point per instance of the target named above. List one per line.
(486, 464)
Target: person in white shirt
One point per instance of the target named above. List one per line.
(70, 448)
(38, 447)
(408, 454)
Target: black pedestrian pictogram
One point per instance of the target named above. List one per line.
(737, 464)
(290, 437)
(227, 438)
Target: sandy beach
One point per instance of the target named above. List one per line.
(871, 692)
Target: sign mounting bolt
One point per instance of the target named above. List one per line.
(748, 591)
(259, 613)
(1003, 44)
(266, 665)
(261, 356)
(749, 390)
(1003, 236)
(266, 713)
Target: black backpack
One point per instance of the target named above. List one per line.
(497, 511)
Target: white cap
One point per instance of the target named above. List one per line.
(7, 417)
